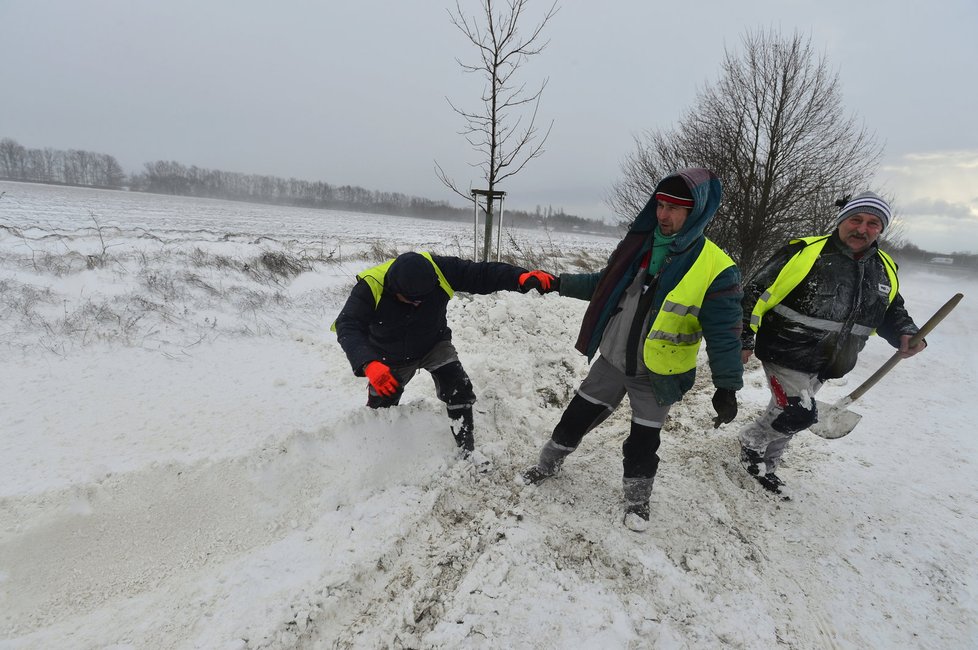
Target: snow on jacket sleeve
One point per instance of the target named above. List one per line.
(479, 277)
(352, 327)
(896, 322)
(720, 317)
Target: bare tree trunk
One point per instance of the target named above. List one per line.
(496, 130)
(487, 236)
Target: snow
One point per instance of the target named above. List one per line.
(186, 461)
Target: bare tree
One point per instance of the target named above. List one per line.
(773, 129)
(503, 130)
(12, 159)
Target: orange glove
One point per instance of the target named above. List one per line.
(381, 378)
(542, 281)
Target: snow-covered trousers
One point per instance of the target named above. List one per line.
(599, 395)
(453, 385)
(791, 409)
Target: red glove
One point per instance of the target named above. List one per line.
(542, 281)
(381, 378)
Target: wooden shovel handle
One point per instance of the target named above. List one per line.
(914, 340)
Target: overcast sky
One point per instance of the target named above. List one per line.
(354, 92)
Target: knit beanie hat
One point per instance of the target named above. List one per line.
(412, 276)
(674, 189)
(869, 203)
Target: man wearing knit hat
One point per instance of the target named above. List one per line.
(665, 289)
(812, 306)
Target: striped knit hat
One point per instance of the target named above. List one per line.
(869, 203)
(673, 189)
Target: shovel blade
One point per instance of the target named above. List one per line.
(834, 420)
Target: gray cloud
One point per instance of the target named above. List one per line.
(930, 208)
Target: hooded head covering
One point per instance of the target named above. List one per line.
(412, 276)
(697, 182)
(868, 203)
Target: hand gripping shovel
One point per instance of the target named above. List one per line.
(836, 420)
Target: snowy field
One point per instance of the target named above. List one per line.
(186, 461)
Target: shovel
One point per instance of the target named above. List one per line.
(836, 420)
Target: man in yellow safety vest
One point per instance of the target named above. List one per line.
(395, 323)
(812, 306)
(665, 289)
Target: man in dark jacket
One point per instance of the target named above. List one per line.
(813, 305)
(665, 288)
(394, 323)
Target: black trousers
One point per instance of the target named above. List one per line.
(639, 457)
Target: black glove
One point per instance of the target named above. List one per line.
(747, 338)
(725, 403)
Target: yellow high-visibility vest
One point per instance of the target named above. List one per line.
(674, 340)
(797, 269)
(374, 277)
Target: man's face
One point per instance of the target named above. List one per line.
(671, 217)
(406, 300)
(859, 231)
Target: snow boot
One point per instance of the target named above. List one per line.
(551, 458)
(637, 493)
(751, 460)
(637, 517)
(758, 469)
(464, 433)
(773, 483)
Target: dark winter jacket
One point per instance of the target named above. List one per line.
(720, 314)
(827, 318)
(397, 333)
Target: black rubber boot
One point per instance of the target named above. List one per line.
(463, 429)
(637, 491)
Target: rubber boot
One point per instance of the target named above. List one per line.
(637, 493)
(463, 429)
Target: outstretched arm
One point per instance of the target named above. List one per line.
(479, 277)
(578, 285)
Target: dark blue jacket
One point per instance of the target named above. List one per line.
(398, 333)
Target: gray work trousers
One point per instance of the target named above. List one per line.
(791, 409)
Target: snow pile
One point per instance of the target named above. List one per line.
(208, 476)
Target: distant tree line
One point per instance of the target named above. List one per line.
(168, 177)
(71, 167)
(85, 168)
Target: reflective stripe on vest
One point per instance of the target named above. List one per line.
(374, 277)
(797, 269)
(674, 340)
